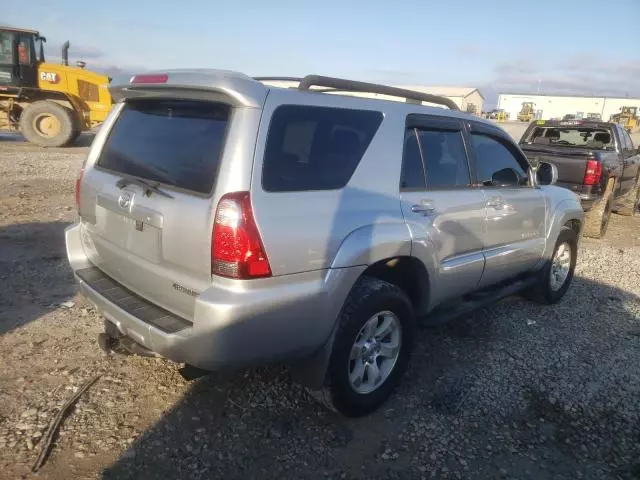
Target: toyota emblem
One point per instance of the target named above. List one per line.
(124, 201)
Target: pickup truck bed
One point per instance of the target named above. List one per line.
(595, 160)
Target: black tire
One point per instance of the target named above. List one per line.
(627, 204)
(74, 137)
(368, 297)
(36, 115)
(596, 220)
(542, 292)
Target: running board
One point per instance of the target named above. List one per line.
(474, 301)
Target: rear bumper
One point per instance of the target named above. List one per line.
(234, 325)
(587, 194)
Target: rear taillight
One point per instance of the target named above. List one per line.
(78, 184)
(592, 173)
(236, 248)
(150, 78)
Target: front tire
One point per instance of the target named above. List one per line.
(371, 348)
(47, 124)
(555, 278)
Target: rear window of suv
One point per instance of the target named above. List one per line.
(174, 142)
(315, 148)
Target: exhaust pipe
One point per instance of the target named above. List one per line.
(65, 53)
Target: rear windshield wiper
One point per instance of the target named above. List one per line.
(148, 187)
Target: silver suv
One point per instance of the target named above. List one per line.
(226, 222)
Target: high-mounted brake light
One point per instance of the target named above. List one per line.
(236, 247)
(150, 78)
(593, 173)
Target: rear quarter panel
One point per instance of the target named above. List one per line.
(303, 231)
(563, 207)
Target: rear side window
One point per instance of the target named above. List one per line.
(315, 148)
(175, 142)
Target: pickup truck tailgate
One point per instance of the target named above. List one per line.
(571, 165)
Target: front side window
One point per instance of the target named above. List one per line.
(412, 175)
(494, 159)
(315, 148)
(445, 159)
(6, 48)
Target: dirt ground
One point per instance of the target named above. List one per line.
(514, 391)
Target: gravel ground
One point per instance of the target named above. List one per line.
(514, 391)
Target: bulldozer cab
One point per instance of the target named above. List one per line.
(18, 57)
(527, 107)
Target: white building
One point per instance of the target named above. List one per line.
(557, 106)
(467, 98)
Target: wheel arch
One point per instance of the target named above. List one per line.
(567, 213)
(406, 272)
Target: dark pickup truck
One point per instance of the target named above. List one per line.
(596, 160)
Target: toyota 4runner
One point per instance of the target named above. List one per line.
(226, 222)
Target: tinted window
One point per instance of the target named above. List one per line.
(492, 156)
(315, 148)
(6, 48)
(175, 142)
(628, 144)
(445, 159)
(412, 175)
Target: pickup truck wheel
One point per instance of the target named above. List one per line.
(371, 348)
(596, 220)
(628, 203)
(555, 278)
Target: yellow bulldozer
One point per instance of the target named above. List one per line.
(49, 103)
(627, 118)
(526, 113)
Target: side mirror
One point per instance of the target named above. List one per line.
(546, 174)
(507, 177)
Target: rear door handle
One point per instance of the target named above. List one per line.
(425, 207)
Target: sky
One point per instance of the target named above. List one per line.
(548, 46)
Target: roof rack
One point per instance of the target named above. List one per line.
(278, 79)
(332, 84)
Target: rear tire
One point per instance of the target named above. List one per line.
(47, 124)
(74, 137)
(371, 348)
(556, 276)
(596, 220)
(628, 203)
